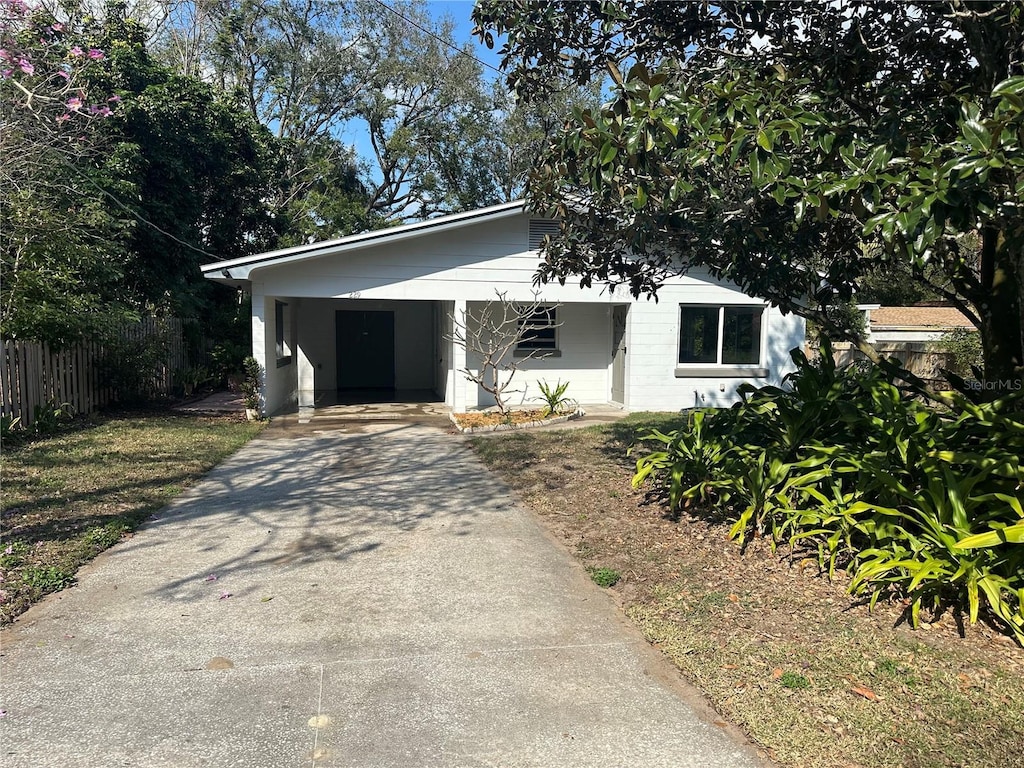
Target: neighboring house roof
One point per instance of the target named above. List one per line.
(234, 270)
(917, 317)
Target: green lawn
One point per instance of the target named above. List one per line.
(68, 496)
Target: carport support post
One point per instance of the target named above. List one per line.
(458, 358)
(259, 336)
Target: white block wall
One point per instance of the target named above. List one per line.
(653, 350)
(584, 340)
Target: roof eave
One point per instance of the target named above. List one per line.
(233, 271)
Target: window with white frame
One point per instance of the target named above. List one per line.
(720, 335)
(282, 328)
(538, 331)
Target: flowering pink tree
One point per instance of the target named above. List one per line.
(43, 67)
(52, 224)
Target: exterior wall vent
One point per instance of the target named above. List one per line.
(538, 229)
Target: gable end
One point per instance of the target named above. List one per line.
(538, 229)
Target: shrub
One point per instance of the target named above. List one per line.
(917, 502)
(251, 383)
(132, 367)
(963, 348)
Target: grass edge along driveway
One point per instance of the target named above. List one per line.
(70, 495)
(777, 648)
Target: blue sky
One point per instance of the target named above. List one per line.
(460, 11)
(354, 133)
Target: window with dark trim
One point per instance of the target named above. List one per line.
(282, 328)
(720, 335)
(538, 331)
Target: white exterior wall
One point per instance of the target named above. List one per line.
(472, 264)
(279, 383)
(652, 343)
(584, 343)
(888, 335)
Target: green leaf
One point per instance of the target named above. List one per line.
(608, 152)
(977, 135)
(1014, 85)
(1011, 534)
(640, 199)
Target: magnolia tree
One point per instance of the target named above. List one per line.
(793, 148)
(499, 337)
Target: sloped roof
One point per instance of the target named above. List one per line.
(918, 317)
(234, 270)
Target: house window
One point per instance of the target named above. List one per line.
(538, 331)
(720, 335)
(282, 327)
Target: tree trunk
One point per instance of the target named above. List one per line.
(1001, 310)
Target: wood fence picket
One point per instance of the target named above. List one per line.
(32, 375)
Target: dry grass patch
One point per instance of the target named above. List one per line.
(69, 496)
(810, 674)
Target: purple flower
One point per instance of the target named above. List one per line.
(114, 98)
(57, 27)
(74, 103)
(63, 118)
(62, 73)
(76, 52)
(26, 66)
(95, 54)
(224, 595)
(5, 55)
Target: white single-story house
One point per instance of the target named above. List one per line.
(374, 312)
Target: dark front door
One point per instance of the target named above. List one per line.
(366, 349)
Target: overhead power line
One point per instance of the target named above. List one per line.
(439, 38)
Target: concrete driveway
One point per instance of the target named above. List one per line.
(363, 597)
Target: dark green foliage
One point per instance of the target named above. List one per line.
(188, 168)
(913, 501)
(793, 148)
(131, 365)
(107, 211)
(251, 383)
(963, 346)
(48, 417)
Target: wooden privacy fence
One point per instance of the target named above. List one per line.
(921, 358)
(33, 375)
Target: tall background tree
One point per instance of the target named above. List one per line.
(204, 130)
(318, 74)
(793, 148)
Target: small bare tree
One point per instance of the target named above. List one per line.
(495, 333)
